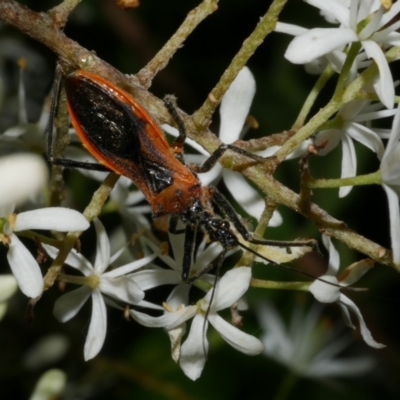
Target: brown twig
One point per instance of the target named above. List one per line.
(44, 29)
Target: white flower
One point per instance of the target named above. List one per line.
(114, 283)
(354, 116)
(305, 347)
(360, 21)
(179, 296)
(46, 351)
(326, 289)
(25, 136)
(235, 106)
(8, 286)
(22, 176)
(194, 350)
(157, 276)
(23, 265)
(390, 175)
(51, 385)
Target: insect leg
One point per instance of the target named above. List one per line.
(177, 146)
(216, 263)
(49, 132)
(223, 206)
(188, 253)
(214, 157)
(173, 224)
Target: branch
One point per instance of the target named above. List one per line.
(72, 56)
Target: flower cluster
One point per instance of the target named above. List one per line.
(364, 32)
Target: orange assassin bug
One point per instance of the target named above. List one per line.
(122, 136)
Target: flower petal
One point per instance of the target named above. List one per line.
(235, 105)
(384, 84)
(347, 368)
(21, 176)
(53, 218)
(394, 214)
(290, 29)
(367, 137)
(69, 304)
(25, 268)
(330, 138)
(318, 42)
(372, 25)
(349, 163)
(154, 322)
(395, 132)
(123, 288)
(244, 194)
(355, 271)
(133, 266)
(8, 286)
(334, 260)
(179, 296)
(175, 336)
(238, 339)
(74, 259)
(102, 248)
(390, 167)
(366, 334)
(182, 315)
(194, 350)
(150, 279)
(51, 385)
(230, 288)
(390, 14)
(206, 256)
(276, 339)
(346, 316)
(97, 328)
(325, 292)
(335, 8)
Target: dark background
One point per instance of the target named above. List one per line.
(135, 361)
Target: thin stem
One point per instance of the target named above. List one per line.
(61, 12)
(351, 92)
(202, 117)
(159, 61)
(307, 130)
(315, 91)
(75, 280)
(351, 55)
(59, 143)
(263, 284)
(368, 179)
(42, 238)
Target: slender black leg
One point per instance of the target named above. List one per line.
(216, 263)
(188, 253)
(177, 146)
(213, 159)
(173, 223)
(222, 206)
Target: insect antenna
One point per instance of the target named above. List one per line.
(218, 264)
(288, 268)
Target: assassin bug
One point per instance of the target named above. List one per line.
(122, 136)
